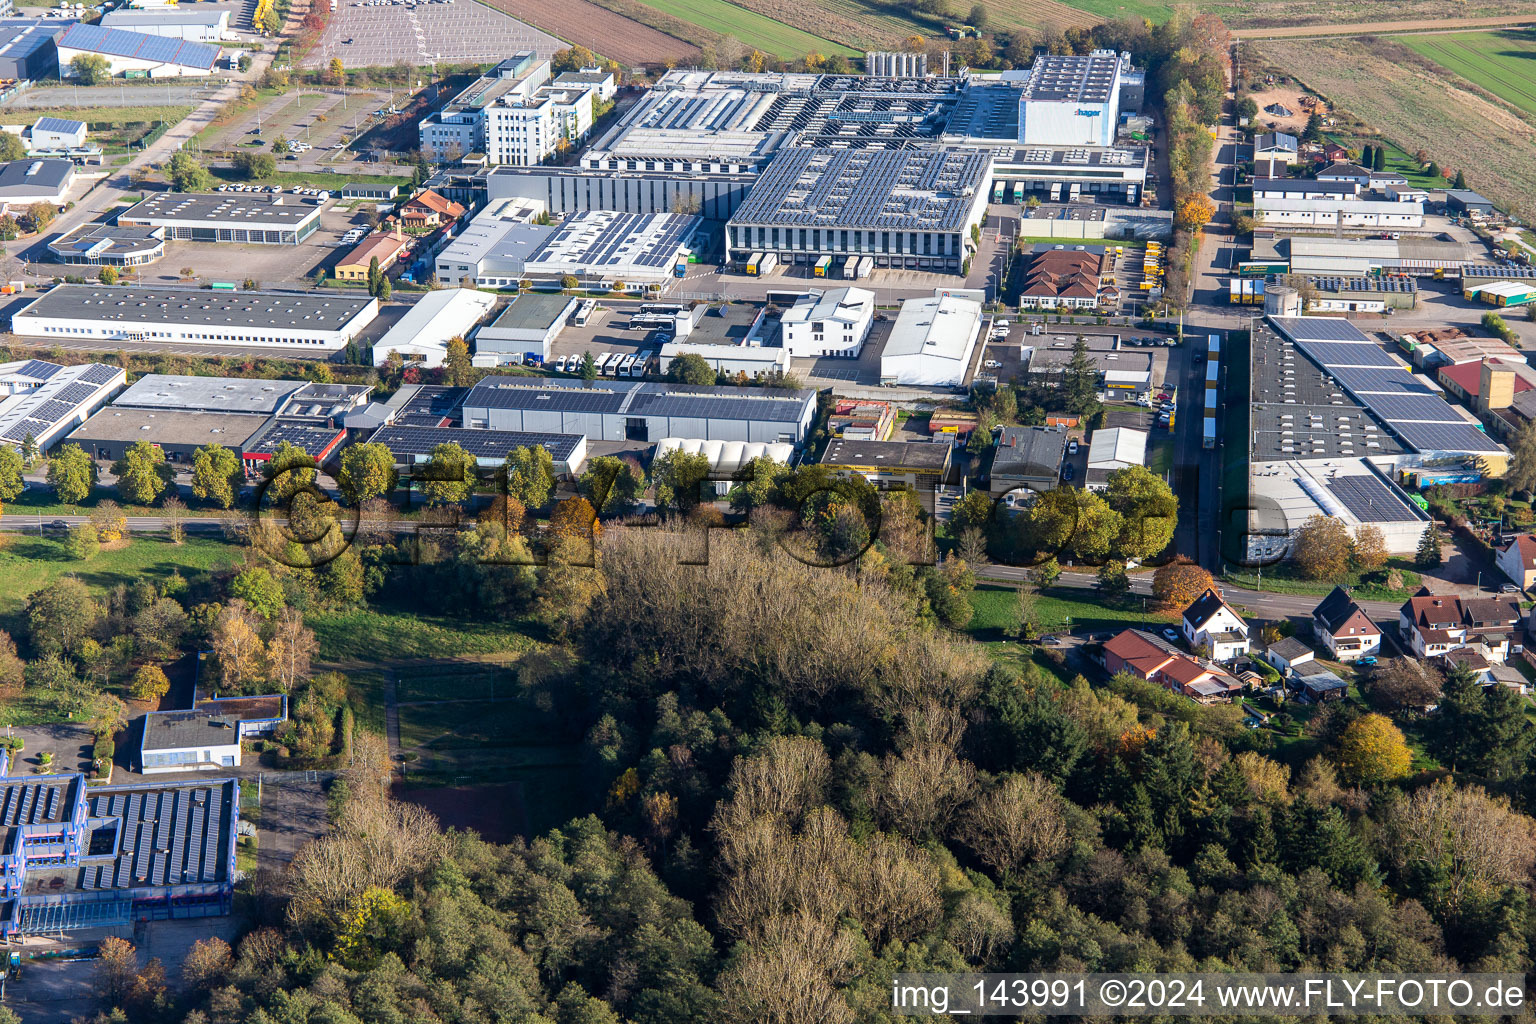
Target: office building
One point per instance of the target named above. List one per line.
(458, 129)
(830, 323)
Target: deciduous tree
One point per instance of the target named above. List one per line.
(1177, 584)
(1372, 750)
(110, 521)
(290, 649)
(81, 542)
(367, 471)
(149, 683)
(72, 474)
(142, 473)
(1321, 548)
(1148, 511)
(216, 475)
(530, 473)
(449, 475)
(237, 646)
(1018, 822)
(1370, 548)
(11, 468)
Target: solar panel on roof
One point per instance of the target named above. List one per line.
(1335, 353)
(38, 368)
(1424, 408)
(1370, 380)
(1318, 328)
(99, 373)
(75, 393)
(1446, 437)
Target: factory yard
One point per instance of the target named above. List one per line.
(422, 34)
(1416, 104)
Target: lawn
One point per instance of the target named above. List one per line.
(488, 683)
(1160, 453)
(373, 634)
(28, 563)
(993, 619)
(367, 692)
(1396, 160)
(1504, 63)
(1284, 579)
(752, 29)
(101, 118)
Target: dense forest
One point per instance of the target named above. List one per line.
(802, 782)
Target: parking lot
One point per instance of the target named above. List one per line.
(382, 33)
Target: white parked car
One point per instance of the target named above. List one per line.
(1072, 447)
(992, 364)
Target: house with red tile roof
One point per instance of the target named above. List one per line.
(1342, 625)
(1149, 657)
(427, 209)
(1433, 625)
(1062, 277)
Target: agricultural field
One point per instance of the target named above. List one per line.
(1396, 93)
(1406, 15)
(606, 29)
(751, 28)
(1504, 63)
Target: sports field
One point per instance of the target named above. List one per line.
(750, 28)
(1504, 63)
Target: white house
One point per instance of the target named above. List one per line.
(1275, 146)
(1517, 560)
(1287, 653)
(831, 323)
(1344, 628)
(1112, 448)
(1212, 622)
(188, 741)
(54, 134)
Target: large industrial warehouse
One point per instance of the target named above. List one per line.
(647, 412)
(600, 247)
(1073, 101)
(1333, 422)
(304, 321)
(45, 401)
(906, 208)
(254, 218)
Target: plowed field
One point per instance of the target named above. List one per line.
(602, 31)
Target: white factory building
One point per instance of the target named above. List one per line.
(421, 336)
(1339, 212)
(1073, 101)
(726, 458)
(493, 250)
(932, 342)
(830, 323)
(45, 401)
(602, 247)
(131, 52)
(309, 323)
(199, 26)
(528, 326)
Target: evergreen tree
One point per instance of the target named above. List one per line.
(1367, 156)
(1454, 739)
(1461, 180)
(1379, 162)
(1428, 555)
(1081, 383)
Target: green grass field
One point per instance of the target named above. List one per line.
(99, 118)
(994, 611)
(489, 683)
(28, 563)
(752, 29)
(378, 632)
(1503, 63)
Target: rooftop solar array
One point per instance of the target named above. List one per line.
(312, 440)
(432, 405)
(483, 444)
(912, 190)
(115, 42)
(604, 239)
(173, 835)
(643, 399)
(1425, 421)
(62, 398)
(1380, 380)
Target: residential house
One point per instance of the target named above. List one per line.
(1334, 153)
(1289, 655)
(427, 209)
(1153, 659)
(1028, 458)
(384, 247)
(1353, 173)
(1433, 625)
(1344, 628)
(1275, 146)
(1517, 560)
(1212, 623)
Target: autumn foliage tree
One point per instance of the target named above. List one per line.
(1194, 211)
(1322, 548)
(1370, 548)
(1372, 750)
(1178, 583)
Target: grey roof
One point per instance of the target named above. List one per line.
(116, 42)
(25, 36)
(1304, 185)
(107, 240)
(172, 730)
(919, 190)
(168, 427)
(138, 20)
(535, 311)
(208, 394)
(929, 455)
(32, 175)
(1289, 649)
(305, 311)
(1029, 452)
(1467, 197)
(1377, 283)
(1336, 609)
(403, 439)
(643, 399)
(1275, 140)
(236, 209)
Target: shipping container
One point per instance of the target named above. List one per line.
(866, 266)
(755, 263)
(1235, 292)
(767, 264)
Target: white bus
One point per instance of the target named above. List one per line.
(583, 313)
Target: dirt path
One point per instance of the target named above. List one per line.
(1378, 28)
